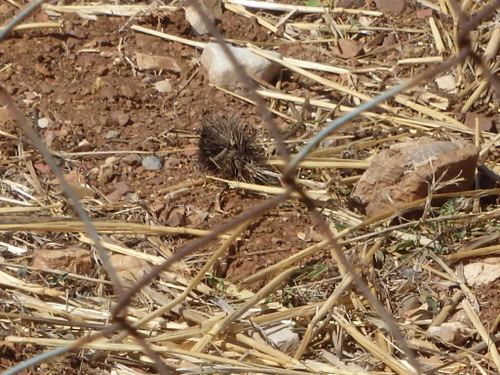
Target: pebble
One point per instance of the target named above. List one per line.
(44, 122)
(132, 159)
(131, 198)
(163, 86)
(121, 117)
(112, 134)
(128, 90)
(152, 163)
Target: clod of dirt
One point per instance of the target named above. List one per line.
(485, 123)
(132, 160)
(152, 163)
(129, 269)
(222, 73)
(119, 191)
(424, 13)
(120, 117)
(347, 48)
(177, 217)
(391, 7)
(351, 4)
(129, 90)
(405, 171)
(228, 150)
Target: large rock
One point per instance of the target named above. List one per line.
(222, 73)
(404, 173)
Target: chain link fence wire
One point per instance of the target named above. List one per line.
(121, 326)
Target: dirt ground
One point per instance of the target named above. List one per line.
(82, 93)
(102, 115)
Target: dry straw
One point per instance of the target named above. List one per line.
(228, 334)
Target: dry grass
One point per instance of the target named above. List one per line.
(197, 323)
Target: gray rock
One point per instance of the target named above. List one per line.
(152, 163)
(221, 71)
(405, 172)
(283, 337)
(131, 198)
(112, 134)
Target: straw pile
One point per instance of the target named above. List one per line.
(199, 323)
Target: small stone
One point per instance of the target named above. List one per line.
(485, 123)
(128, 90)
(222, 73)
(454, 332)
(148, 79)
(110, 93)
(131, 198)
(44, 122)
(482, 273)
(389, 40)
(391, 7)
(121, 117)
(152, 163)
(157, 62)
(120, 189)
(46, 88)
(446, 82)
(283, 337)
(42, 167)
(83, 146)
(102, 71)
(132, 160)
(176, 218)
(112, 134)
(163, 86)
(424, 13)
(347, 48)
(31, 95)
